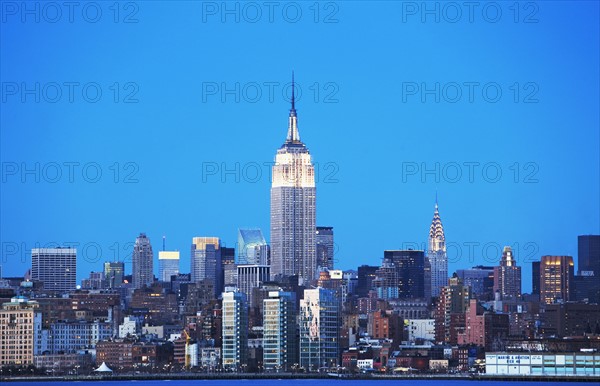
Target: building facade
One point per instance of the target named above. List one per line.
(206, 260)
(588, 255)
(251, 276)
(507, 276)
(325, 248)
(168, 265)
(55, 267)
(235, 331)
(319, 329)
(293, 208)
(142, 262)
(252, 247)
(280, 346)
(113, 273)
(17, 332)
(556, 278)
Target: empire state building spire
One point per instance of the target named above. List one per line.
(293, 133)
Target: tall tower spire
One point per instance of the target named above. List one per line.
(293, 110)
(293, 134)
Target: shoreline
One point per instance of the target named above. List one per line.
(282, 376)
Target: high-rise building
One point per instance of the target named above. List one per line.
(481, 281)
(556, 279)
(235, 331)
(228, 276)
(252, 247)
(168, 265)
(325, 247)
(450, 310)
(366, 275)
(113, 273)
(55, 267)
(206, 260)
(409, 265)
(436, 254)
(588, 255)
(17, 337)
(251, 276)
(535, 278)
(143, 262)
(319, 329)
(280, 346)
(293, 208)
(507, 276)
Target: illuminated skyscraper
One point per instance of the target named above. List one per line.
(206, 261)
(507, 276)
(293, 213)
(168, 265)
(436, 254)
(142, 262)
(556, 279)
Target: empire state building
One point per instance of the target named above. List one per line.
(293, 196)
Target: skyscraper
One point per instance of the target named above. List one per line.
(55, 267)
(436, 254)
(366, 275)
(588, 255)
(319, 329)
(205, 260)
(293, 202)
(113, 273)
(280, 347)
(507, 276)
(168, 265)
(409, 279)
(480, 279)
(252, 247)
(143, 264)
(324, 238)
(535, 277)
(556, 278)
(234, 331)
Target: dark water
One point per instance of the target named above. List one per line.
(294, 382)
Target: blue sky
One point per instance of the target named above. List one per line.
(192, 109)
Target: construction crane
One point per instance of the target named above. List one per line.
(188, 357)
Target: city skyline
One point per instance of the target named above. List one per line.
(363, 128)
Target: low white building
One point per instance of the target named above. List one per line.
(577, 363)
(421, 329)
(364, 364)
(129, 327)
